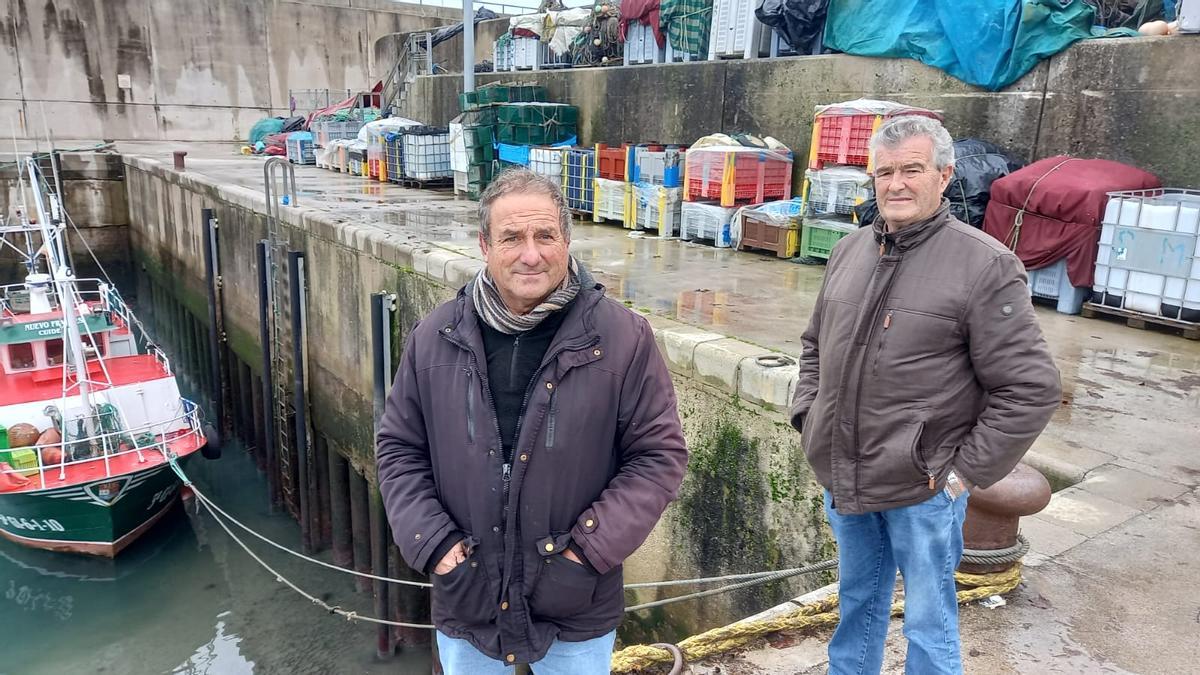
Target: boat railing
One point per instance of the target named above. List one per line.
(108, 439)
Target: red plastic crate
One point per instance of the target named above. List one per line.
(756, 177)
(611, 162)
(844, 138)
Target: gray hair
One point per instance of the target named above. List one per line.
(519, 180)
(896, 130)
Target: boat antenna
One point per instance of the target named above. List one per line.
(23, 213)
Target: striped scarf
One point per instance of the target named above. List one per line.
(491, 308)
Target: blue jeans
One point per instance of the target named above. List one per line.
(925, 541)
(590, 657)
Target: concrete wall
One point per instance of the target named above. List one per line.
(749, 502)
(95, 197)
(1136, 100)
(201, 71)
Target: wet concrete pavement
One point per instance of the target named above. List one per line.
(1113, 579)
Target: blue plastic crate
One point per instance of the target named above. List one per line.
(581, 184)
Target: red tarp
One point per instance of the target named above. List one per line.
(642, 11)
(1051, 210)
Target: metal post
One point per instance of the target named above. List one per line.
(212, 283)
(380, 334)
(296, 291)
(268, 392)
(468, 47)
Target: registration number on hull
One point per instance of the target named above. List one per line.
(32, 524)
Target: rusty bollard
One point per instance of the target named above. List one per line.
(179, 155)
(994, 514)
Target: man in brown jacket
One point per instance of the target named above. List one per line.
(529, 445)
(923, 372)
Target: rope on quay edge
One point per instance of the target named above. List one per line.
(820, 613)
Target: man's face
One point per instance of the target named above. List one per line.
(908, 186)
(527, 255)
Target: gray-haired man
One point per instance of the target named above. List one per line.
(923, 370)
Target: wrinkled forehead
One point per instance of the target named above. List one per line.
(524, 212)
(910, 151)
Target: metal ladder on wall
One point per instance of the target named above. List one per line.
(277, 249)
(415, 59)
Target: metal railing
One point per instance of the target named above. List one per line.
(105, 440)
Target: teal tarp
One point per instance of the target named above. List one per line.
(988, 43)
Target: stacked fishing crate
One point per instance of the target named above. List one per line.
(612, 191)
(657, 193)
(718, 180)
(773, 226)
(300, 148)
(581, 180)
(838, 174)
(502, 125)
(550, 162)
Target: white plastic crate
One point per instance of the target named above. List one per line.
(612, 196)
(459, 162)
(502, 56)
(736, 32)
(1053, 283)
(548, 162)
(426, 156)
(460, 181)
(299, 146)
(1149, 255)
(524, 53)
(548, 59)
(640, 45)
(656, 208)
(659, 168)
(836, 190)
(707, 221)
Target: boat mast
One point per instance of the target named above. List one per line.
(49, 219)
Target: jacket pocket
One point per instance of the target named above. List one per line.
(919, 460)
(470, 407)
(563, 589)
(463, 594)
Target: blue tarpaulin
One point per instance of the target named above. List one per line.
(988, 43)
(519, 154)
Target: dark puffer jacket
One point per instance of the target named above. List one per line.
(599, 455)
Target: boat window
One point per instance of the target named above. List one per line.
(20, 356)
(54, 352)
(99, 346)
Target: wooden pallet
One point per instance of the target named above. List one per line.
(1142, 321)
(435, 183)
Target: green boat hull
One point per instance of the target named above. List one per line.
(97, 518)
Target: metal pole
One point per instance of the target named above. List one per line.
(360, 527)
(379, 529)
(468, 47)
(267, 384)
(296, 290)
(212, 282)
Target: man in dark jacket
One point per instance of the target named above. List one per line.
(923, 371)
(530, 443)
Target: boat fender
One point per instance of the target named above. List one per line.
(212, 446)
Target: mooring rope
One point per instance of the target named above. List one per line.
(640, 656)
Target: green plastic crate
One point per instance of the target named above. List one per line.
(497, 93)
(480, 135)
(468, 100)
(820, 235)
(480, 173)
(479, 117)
(478, 154)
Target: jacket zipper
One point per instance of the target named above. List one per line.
(470, 407)
(550, 419)
(887, 323)
(919, 459)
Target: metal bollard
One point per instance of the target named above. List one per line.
(994, 514)
(179, 155)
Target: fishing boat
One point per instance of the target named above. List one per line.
(90, 411)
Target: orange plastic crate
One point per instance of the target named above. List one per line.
(751, 177)
(611, 162)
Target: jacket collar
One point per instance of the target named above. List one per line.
(577, 324)
(914, 235)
